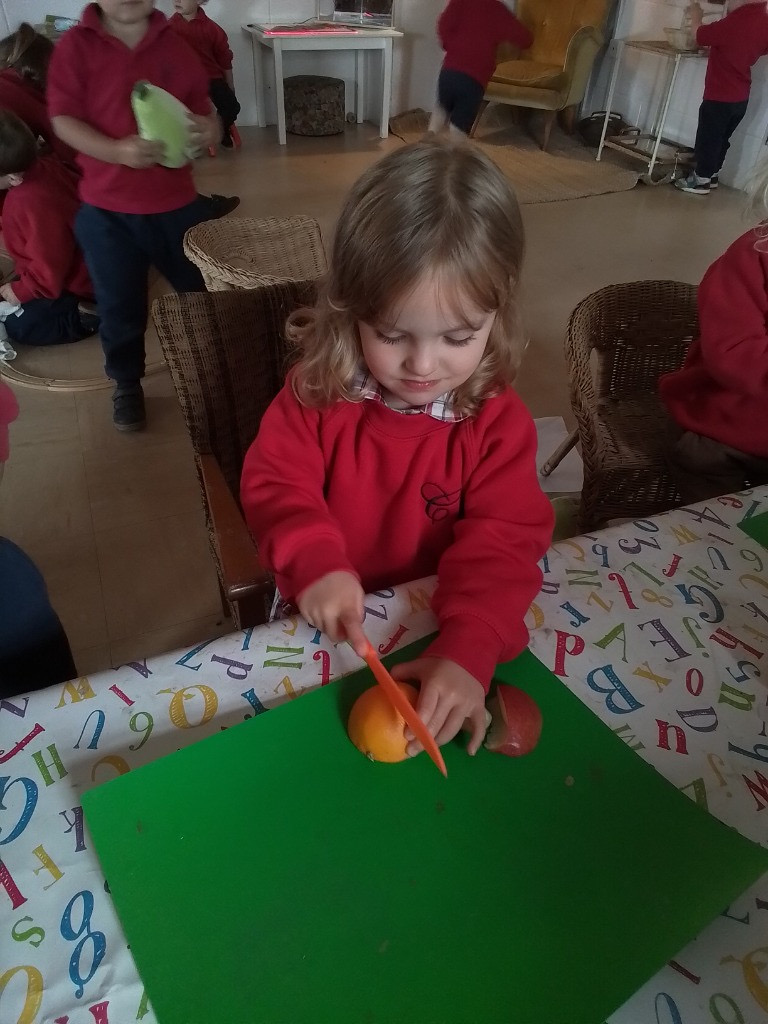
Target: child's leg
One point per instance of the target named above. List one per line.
(118, 267)
(461, 96)
(738, 110)
(703, 468)
(165, 246)
(51, 322)
(225, 102)
(438, 119)
(712, 130)
(34, 650)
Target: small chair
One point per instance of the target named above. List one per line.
(554, 73)
(242, 252)
(619, 341)
(228, 359)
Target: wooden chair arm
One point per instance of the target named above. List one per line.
(241, 570)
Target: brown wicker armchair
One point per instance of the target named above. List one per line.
(242, 252)
(228, 359)
(619, 341)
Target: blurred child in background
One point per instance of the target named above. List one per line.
(736, 42)
(470, 32)
(210, 43)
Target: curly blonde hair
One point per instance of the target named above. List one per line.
(431, 208)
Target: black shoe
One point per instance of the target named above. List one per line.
(89, 325)
(128, 407)
(220, 206)
(226, 140)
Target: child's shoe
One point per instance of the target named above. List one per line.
(226, 139)
(128, 407)
(714, 181)
(694, 184)
(89, 325)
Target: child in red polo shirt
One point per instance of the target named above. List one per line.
(135, 211)
(24, 59)
(470, 32)
(210, 43)
(735, 44)
(38, 226)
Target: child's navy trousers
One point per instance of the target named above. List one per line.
(119, 250)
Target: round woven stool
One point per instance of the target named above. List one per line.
(314, 105)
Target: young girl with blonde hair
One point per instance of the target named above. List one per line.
(397, 447)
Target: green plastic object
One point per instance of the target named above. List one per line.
(161, 117)
(271, 874)
(756, 527)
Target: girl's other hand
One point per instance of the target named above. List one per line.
(449, 696)
(334, 604)
(205, 130)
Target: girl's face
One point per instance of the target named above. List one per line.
(186, 8)
(425, 346)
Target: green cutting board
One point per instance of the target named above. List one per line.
(271, 874)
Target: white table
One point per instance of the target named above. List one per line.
(358, 40)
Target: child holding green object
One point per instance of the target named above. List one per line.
(135, 212)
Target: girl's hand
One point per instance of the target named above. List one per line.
(449, 696)
(9, 295)
(133, 151)
(204, 130)
(334, 604)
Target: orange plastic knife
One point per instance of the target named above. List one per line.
(401, 703)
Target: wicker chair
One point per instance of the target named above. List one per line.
(240, 252)
(619, 341)
(227, 359)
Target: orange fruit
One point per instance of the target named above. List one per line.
(375, 728)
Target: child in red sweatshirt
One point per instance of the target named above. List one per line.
(397, 448)
(38, 226)
(735, 43)
(210, 43)
(471, 32)
(719, 399)
(24, 59)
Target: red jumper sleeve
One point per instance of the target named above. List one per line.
(222, 52)
(489, 575)
(282, 498)
(43, 248)
(733, 312)
(515, 31)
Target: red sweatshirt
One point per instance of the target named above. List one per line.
(91, 76)
(207, 39)
(22, 98)
(471, 31)
(38, 227)
(736, 42)
(363, 489)
(722, 390)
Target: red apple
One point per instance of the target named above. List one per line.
(516, 722)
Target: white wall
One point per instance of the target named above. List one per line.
(416, 57)
(643, 76)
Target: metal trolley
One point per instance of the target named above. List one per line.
(661, 156)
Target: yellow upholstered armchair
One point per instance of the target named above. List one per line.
(553, 74)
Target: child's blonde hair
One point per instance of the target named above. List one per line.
(433, 208)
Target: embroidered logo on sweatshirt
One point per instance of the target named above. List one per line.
(439, 502)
